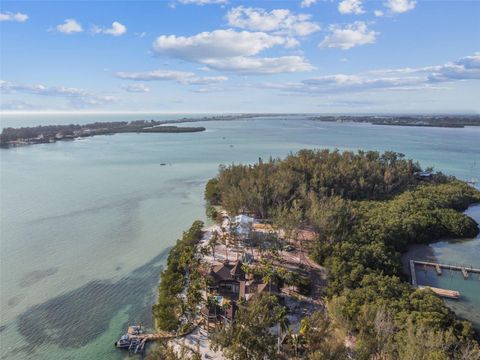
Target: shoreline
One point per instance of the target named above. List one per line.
(428, 252)
(12, 137)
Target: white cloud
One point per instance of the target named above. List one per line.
(351, 7)
(403, 79)
(70, 26)
(215, 44)
(157, 75)
(17, 17)
(378, 13)
(181, 77)
(202, 2)
(258, 66)
(279, 21)
(231, 50)
(117, 29)
(467, 68)
(138, 88)
(77, 97)
(352, 35)
(206, 80)
(400, 6)
(307, 3)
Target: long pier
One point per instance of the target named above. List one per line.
(438, 267)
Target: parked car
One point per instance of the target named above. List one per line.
(288, 248)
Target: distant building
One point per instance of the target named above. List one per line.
(243, 225)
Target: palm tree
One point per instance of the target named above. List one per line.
(268, 276)
(224, 240)
(213, 243)
(297, 341)
(225, 306)
(283, 324)
(211, 302)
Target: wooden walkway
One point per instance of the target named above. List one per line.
(451, 294)
(438, 267)
(137, 341)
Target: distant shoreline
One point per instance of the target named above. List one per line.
(448, 121)
(13, 137)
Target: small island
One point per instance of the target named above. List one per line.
(11, 137)
(304, 262)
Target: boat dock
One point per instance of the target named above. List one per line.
(135, 339)
(451, 294)
(438, 267)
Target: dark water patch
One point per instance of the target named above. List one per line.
(36, 276)
(78, 317)
(14, 301)
(2, 328)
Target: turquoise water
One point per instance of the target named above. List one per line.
(86, 225)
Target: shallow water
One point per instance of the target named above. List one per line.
(456, 252)
(85, 224)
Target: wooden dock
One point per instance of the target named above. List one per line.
(451, 294)
(413, 274)
(135, 339)
(465, 270)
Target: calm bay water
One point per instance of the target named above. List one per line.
(86, 224)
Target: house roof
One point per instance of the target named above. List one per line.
(225, 272)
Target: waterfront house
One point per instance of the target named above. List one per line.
(229, 285)
(227, 279)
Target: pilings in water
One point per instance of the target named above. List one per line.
(438, 266)
(451, 294)
(413, 274)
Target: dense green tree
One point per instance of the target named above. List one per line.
(249, 336)
(321, 341)
(367, 208)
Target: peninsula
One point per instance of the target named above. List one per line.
(52, 133)
(304, 262)
(11, 137)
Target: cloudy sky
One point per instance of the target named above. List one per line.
(321, 56)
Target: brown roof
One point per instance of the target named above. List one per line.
(237, 269)
(226, 272)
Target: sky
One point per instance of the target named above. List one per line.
(229, 56)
